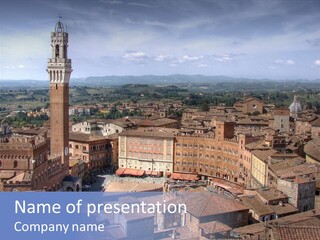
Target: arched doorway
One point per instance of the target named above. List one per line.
(69, 189)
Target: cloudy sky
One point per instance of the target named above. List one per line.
(275, 39)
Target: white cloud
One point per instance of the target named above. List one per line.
(287, 62)
(202, 65)
(136, 57)
(173, 65)
(317, 62)
(20, 66)
(187, 58)
(162, 58)
(223, 58)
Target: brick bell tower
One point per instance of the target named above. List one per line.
(59, 70)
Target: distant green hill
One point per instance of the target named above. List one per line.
(177, 79)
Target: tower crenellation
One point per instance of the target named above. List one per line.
(59, 66)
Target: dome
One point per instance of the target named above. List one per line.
(295, 107)
(59, 27)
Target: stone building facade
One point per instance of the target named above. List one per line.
(25, 163)
(148, 149)
(281, 120)
(20, 153)
(259, 169)
(95, 151)
(301, 191)
(213, 154)
(249, 105)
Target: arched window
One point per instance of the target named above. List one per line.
(64, 51)
(57, 51)
(0, 164)
(15, 164)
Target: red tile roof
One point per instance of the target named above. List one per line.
(209, 204)
(285, 232)
(214, 227)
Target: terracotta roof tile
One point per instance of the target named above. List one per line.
(208, 204)
(256, 205)
(312, 149)
(214, 227)
(285, 208)
(298, 219)
(264, 154)
(257, 145)
(271, 194)
(83, 137)
(150, 132)
(285, 232)
(303, 169)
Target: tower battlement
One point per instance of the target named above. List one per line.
(58, 60)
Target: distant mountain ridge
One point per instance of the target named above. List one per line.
(105, 81)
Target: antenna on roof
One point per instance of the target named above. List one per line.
(59, 16)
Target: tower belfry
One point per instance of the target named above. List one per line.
(59, 70)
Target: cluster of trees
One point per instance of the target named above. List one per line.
(114, 113)
(22, 119)
(134, 91)
(204, 100)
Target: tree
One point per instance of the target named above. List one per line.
(205, 107)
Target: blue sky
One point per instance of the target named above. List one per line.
(276, 39)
